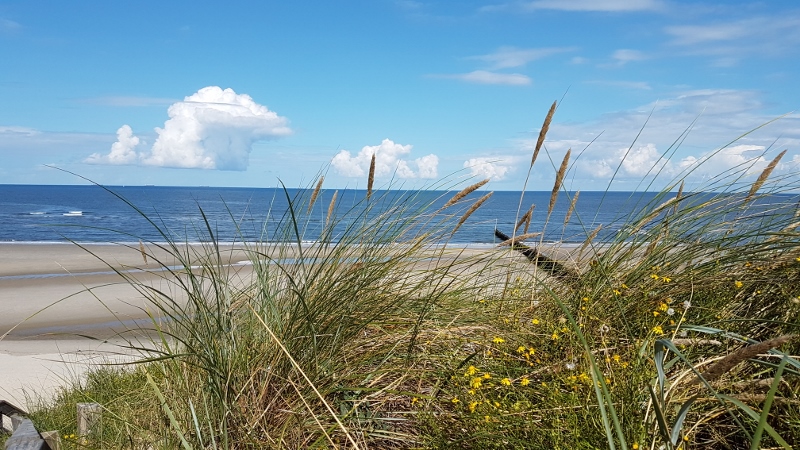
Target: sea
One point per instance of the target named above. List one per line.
(125, 214)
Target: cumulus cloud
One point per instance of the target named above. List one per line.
(389, 160)
(122, 152)
(213, 128)
(715, 116)
(493, 168)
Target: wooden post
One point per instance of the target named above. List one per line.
(89, 415)
(53, 439)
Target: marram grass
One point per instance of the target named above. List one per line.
(671, 334)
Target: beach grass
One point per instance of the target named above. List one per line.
(676, 332)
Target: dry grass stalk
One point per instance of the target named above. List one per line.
(571, 207)
(727, 363)
(371, 178)
(678, 198)
(690, 341)
(525, 219)
(559, 180)
(764, 175)
(543, 133)
(464, 192)
(471, 210)
(517, 239)
(658, 210)
(589, 239)
(315, 193)
(141, 250)
(331, 206)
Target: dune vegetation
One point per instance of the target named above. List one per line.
(676, 332)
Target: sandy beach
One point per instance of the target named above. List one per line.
(53, 294)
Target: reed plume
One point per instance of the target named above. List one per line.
(517, 239)
(727, 363)
(764, 175)
(658, 210)
(559, 180)
(141, 250)
(589, 239)
(331, 205)
(471, 210)
(371, 178)
(464, 192)
(543, 132)
(525, 219)
(571, 207)
(315, 193)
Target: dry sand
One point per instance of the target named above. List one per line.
(51, 295)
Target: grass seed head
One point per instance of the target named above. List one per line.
(559, 180)
(464, 192)
(315, 193)
(764, 175)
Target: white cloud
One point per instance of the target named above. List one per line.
(211, 129)
(641, 85)
(716, 118)
(122, 152)
(624, 56)
(730, 42)
(388, 161)
(506, 57)
(493, 168)
(9, 26)
(486, 77)
(597, 5)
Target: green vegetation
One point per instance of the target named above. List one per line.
(388, 339)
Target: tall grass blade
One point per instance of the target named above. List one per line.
(762, 421)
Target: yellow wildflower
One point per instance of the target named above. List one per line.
(472, 406)
(616, 358)
(554, 336)
(738, 284)
(635, 446)
(498, 340)
(524, 381)
(654, 276)
(535, 321)
(486, 376)
(666, 279)
(471, 370)
(455, 400)
(505, 382)
(476, 383)
(658, 330)
(624, 286)
(663, 307)
(521, 349)
(617, 292)
(414, 400)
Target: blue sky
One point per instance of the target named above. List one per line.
(249, 93)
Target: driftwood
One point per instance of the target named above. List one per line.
(545, 263)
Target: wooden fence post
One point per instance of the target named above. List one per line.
(89, 415)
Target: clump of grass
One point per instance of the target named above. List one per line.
(377, 335)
